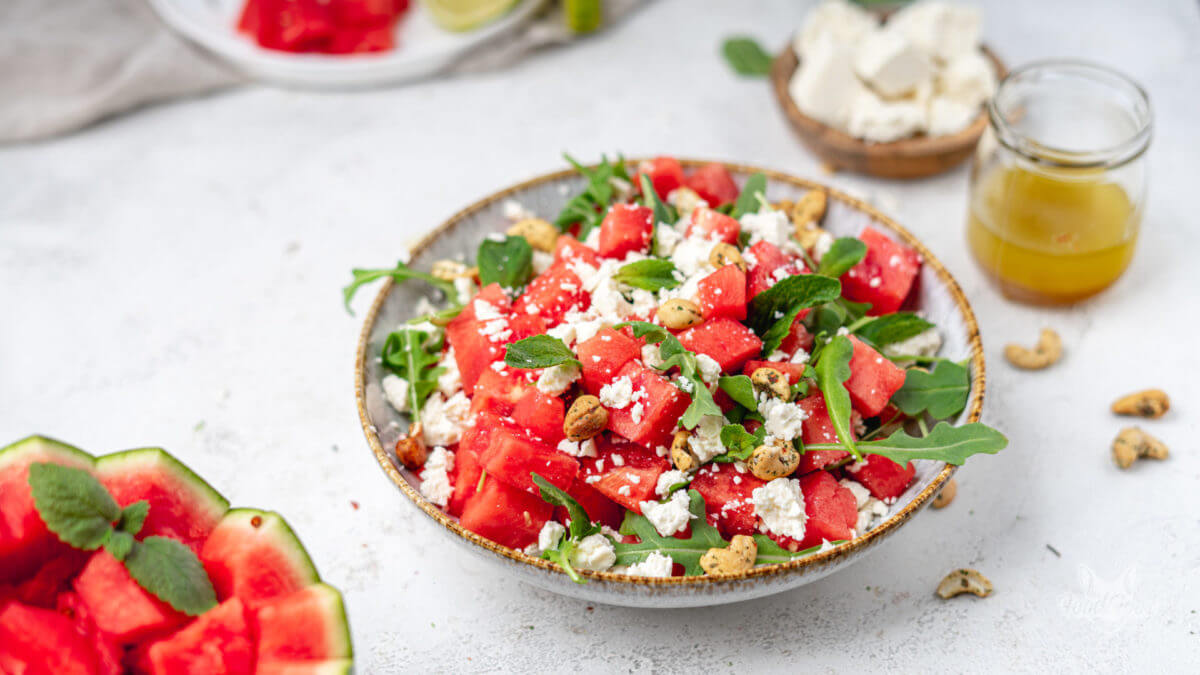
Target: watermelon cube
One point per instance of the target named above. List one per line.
(723, 294)
(109, 654)
(767, 265)
(42, 642)
(552, 294)
(885, 479)
(818, 428)
(728, 342)
(873, 379)
(600, 509)
(798, 337)
(474, 350)
(728, 498)
(603, 355)
(714, 225)
(506, 515)
(665, 174)
(654, 414)
(308, 625)
(542, 414)
(884, 276)
(464, 477)
(119, 606)
(219, 642)
(714, 183)
(625, 228)
(498, 391)
(512, 456)
(625, 473)
(570, 249)
(831, 509)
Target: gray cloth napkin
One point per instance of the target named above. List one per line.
(65, 64)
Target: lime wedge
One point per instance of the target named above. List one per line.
(583, 16)
(465, 15)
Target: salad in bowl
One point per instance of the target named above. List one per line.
(672, 377)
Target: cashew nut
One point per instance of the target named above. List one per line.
(449, 270)
(1133, 444)
(540, 234)
(1152, 403)
(738, 557)
(410, 448)
(726, 254)
(681, 453)
(585, 419)
(964, 581)
(1046, 352)
(943, 498)
(679, 314)
(809, 210)
(773, 460)
(772, 382)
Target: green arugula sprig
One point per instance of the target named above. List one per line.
(588, 207)
(746, 56)
(686, 552)
(508, 262)
(832, 368)
(942, 392)
(651, 274)
(580, 526)
(413, 355)
(889, 328)
(772, 311)
(945, 443)
(770, 553)
(538, 351)
(77, 507)
(401, 272)
(674, 355)
(663, 213)
(845, 253)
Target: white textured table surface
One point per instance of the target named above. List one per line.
(172, 277)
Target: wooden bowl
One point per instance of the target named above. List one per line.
(914, 157)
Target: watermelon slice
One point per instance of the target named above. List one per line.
(120, 607)
(24, 540)
(108, 653)
(308, 625)
(217, 643)
(182, 505)
(330, 667)
(255, 556)
(37, 641)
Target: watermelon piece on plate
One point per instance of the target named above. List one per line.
(329, 667)
(552, 294)
(818, 428)
(665, 174)
(830, 512)
(52, 577)
(506, 515)
(542, 414)
(885, 479)
(35, 641)
(873, 379)
(655, 411)
(602, 357)
(625, 228)
(108, 652)
(219, 642)
(885, 275)
(119, 606)
(625, 473)
(569, 248)
(723, 293)
(714, 225)
(255, 556)
(513, 456)
(308, 625)
(182, 505)
(714, 184)
(25, 543)
(728, 501)
(728, 342)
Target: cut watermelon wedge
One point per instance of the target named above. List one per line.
(182, 505)
(24, 540)
(330, 667)
(255, 556)
(121, 608)
(307, 625)
(218, 643)
(42, 642)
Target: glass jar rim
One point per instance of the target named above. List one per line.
(1040, 152)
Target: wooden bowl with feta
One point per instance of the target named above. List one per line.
(902, 96)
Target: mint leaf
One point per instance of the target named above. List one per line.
(73, 504)
(770, 553)
(119, 544)
(663, 213)
(750, 199)
(945, 443)
(588, 207)
(833, 369)
(413, 355)
(400, 272)
(538, 351)
(740, 389)
(133, 517)
(651, 274)
(846, 252)
(746, 57)
(581, 524)
(772, 312)
(508, 262)
(740, 442)
(686, 552)
(172, 573)
(889, 328)
(942, 391)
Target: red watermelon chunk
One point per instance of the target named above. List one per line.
(884, 276)
(625, 228)
(52, 578)
(626, 473)
(728, 342)
(464, 477)
(831, 509)
(35, 641)
(570, 249)
(818, 428)
(473, 350)
(655, 411)
(108, 653)
(506, 515)
(255, 556)
(798, 337)
(119, 606)
(542, 414)
(308, 625)
(793, 371)
(665, 174)
(767, 265)
(873, 379)
(603, 355)
(714, 225)
(219, 642)
(728, 498)
(552, 294)
(723, 294)
(513, 455)
(714, 183)
(600, 509)
(885, 479)
(498, 392)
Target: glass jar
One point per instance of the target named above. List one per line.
(1058, 182)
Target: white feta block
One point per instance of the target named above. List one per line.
(843, 21)
(941, 30)
(891, 64)
(947, 116)
(878, 121)
(970, 79)
(825, 87)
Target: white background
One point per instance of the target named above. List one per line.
(172, 278)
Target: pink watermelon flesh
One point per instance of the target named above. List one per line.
(121, 608)
(255, 556)
(308, 625)
(220, 642)
(182, 505)
(36, 641)
(330, 667)
(108, 653)
(24, 540)
(53, 577)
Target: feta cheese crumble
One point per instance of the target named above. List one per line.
(782, 420)
(670, 517)
(557, 379)
(705, 440)
(450, 380)
(551, 534)
(655, 565)
(443, 419)
(922, 344)
(780, 505)
(710, 370)
(435, 477)
(617, 394)
(585, 448)
(594, 552)
(668, 478)
(395, 390)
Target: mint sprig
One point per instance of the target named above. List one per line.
(508, 262)
(772, 312)
(663, 213)
(538, 351)
(740, 443)
(890, 328)
(73, 504)
(171, 571)
(740, 389)
(651, 274)
(752, 196)
(846, 252)
(746, 56)
(588, 207)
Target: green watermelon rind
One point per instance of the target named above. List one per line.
(13, 452)
(285, 539)
(206, 495)
(338, 633)
(327, 667)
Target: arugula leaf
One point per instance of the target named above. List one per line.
(581, 525)
(772, 312)
(889, 328)
(562, 557)
(846, 252)
(508, 262)
(746, 56)
(133, 517)
(674, 355)
(538, 351)
(942, 391)
(686, 552)
(651, 274)
(400, 272)
(740, 389)
(413, 355)
(833, 315)
(770, 553)
(73, 504)
(833, 369)
(588, 207)
(749, 200)
(663, 213)
(740, 442)
(945, 443)
(173, 573)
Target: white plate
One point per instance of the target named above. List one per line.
(421, 47)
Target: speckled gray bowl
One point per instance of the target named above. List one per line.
(940, 298)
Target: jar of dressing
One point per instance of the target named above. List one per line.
(1058, 182)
